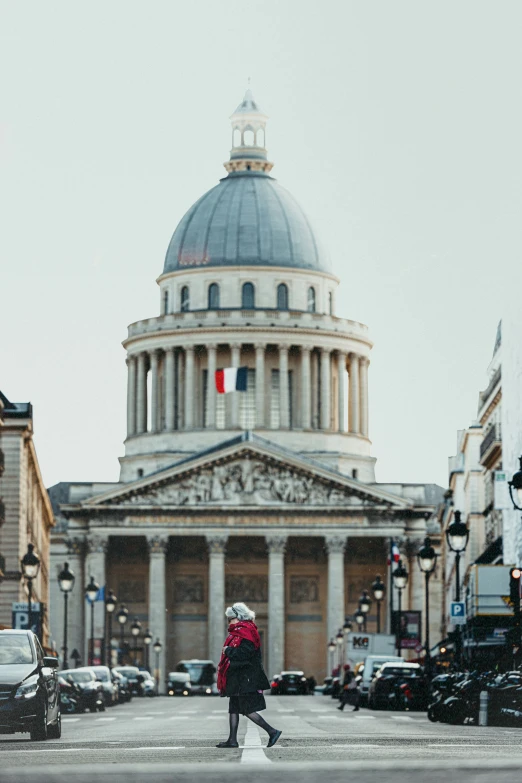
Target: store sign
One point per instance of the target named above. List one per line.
(360, 642)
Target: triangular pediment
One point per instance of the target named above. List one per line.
(246, 473)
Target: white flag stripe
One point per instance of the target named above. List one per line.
(229, 380)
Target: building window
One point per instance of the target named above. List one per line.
(310, 305)
(248, 296)
(330, 302)
(282, 296)
(165, 301)
(213, 296)
(354, 473)
(140, 472)
(185, 299)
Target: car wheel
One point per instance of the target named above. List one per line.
(101, 706)
(55, 729)
(93, 708)
(39, 730)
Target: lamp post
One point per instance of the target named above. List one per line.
(400, 578)
(365, 603)
(457, 536)
(91, 592)
(66, 584)
(359, 618)
(135, 631)
(347, 627)
(30, 567)
(110, 606)
(339, 639)
(122, 619)
(379, 591)
(147, 641)
(427, 559)
(157, 649)
(331, 650)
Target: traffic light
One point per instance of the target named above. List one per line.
(514, 585)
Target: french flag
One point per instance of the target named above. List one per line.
(395, 555)
(231, 379)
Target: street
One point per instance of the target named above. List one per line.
(150, 739)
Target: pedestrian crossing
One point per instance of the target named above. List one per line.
(286, 714)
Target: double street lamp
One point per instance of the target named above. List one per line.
(147, 641)
(427, 559)
(331, 649)
(457, 536)
(66, 584)
(30, 567)
(110, 606)
(135, 631)
(157, 649)
(379, 591)
(400, 580)
(122, 617)
(91, 592)
(365, 604)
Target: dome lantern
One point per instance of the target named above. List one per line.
(248, 151)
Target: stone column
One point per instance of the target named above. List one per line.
(131, 396)
(284, 401)
(335, 546)
(260, 385)
(325, 388)
(276, 603)
(189, 388)
(141, 414)
(216, 595)
(354, 393)
(341, 369)
(169, 389)
(363, 372)
(158, 625)
(235, 351)
(97, 546)
(76, 557)
(211, 385)
(154, 392)
(306, 390)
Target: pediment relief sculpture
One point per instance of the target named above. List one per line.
(244, 482)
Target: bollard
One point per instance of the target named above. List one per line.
(483, 710)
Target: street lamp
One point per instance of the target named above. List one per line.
(157, 649)
(400, 579)
(379, 591)
(122, 619)
(30, 566)
(339, 639)
(365, 603)
(359, 618)
(347, 627)
(147, 641)
(135, 631)
(66, 584)
(457, 536)
(427, 559)
(110, 607)
(516, 485)
(91, 592)
(331, 649)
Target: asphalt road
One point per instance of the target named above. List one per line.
(161, 739)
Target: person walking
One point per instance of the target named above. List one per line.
(350, 692)
(241, 676)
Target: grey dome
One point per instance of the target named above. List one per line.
(248, 219)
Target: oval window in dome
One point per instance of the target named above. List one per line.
(248, 296)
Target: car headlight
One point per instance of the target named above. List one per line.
(171, 693)
(208, 690)
(28, 689)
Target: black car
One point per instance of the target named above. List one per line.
(289, 683)
(89, 688)
(123, 688)
(398, 686)
(178, 684)
(134, 677)
(29, 693)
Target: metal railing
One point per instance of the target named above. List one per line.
(493, 435)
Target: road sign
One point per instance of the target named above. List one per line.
(458, 613)
(20, 616)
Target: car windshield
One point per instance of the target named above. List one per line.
(130, 674)
(178, 677)
(102, 675)
(400, 671)
(199, 673)
(79, 676)
(15, 648)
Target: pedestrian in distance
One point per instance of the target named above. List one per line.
(350, 692)
(241, 676)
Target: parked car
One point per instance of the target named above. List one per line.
(149, 683)
(327, 685)
(202, 675)
(121, 684)
(134, 678)
(103, 675)
(289, 683)
(29, 692)
(91, 691)
(372, 664)
(178, 684)
(398, 686)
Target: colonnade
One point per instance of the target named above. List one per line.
(174, 388)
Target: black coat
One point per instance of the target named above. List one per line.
(245, 673)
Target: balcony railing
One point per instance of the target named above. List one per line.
(493, 437)
(493, 382)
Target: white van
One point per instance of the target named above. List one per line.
(371, 664)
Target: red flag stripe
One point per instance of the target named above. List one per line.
(220, 381)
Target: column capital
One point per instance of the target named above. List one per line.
(236, 346)
(353, 356)
(217, 544)
(157, 545)
(283, 347)
(307, 348)
(260, 346)
(325, 350)
(131, 358)
(364, 361)
(189, 348)
(275, 544)
(335, 544)
(340, 354)
(97, 544)
(211, 346)
(170, 349)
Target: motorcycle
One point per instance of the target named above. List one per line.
(70, 696)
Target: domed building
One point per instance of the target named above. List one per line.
(266, 495)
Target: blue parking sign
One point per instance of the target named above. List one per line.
(458, 612)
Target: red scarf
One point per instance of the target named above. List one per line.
(244, 629)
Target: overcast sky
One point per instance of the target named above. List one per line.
(396, 124)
